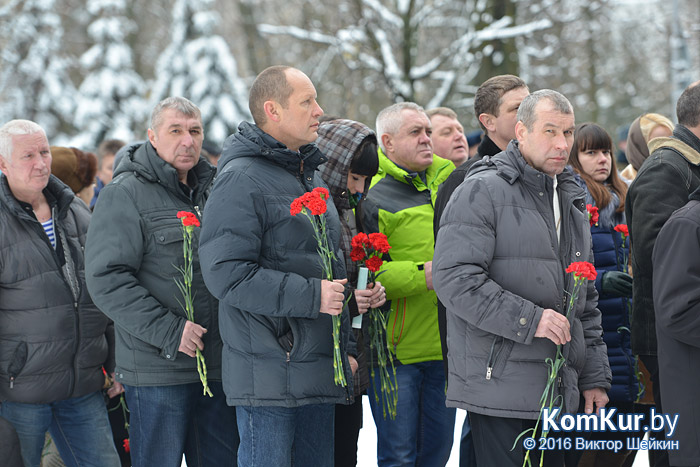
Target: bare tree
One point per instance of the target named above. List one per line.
(428, 51)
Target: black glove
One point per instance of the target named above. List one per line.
(618, 284)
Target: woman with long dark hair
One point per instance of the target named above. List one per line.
(592, 160)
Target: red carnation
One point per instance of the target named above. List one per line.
(360, 240)
(622, 228)
(317, 205)
(188, 221)
(357, 254)
(127, 448)
(296, 207)
(592, 214)
(373, 263)
(379, 242)
(582, 269)
(322, 192)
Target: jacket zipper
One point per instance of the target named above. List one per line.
(493, 356)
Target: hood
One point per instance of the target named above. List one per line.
(251, 141)
(683, 141)
(339, 140)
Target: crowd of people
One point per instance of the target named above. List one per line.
(103, 367)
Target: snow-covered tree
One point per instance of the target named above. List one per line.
(428, 51)
(609, 57)
(34, 79)
(110, 103)
(198, 65)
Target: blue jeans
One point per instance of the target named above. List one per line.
(286, 436)
(422, 433)
(169, 421)
(79, 426)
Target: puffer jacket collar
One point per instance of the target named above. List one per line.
(251, 141)
(388, 167)
(143, 160)
(55, 189)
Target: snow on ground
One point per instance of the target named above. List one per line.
(367, 444)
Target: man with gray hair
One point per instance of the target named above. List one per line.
(54, 342)
(400, 204)
(506, 237)
(134, 244)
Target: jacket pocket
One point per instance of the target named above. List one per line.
(19, 359)
(500, 349)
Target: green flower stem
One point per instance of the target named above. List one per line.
(327, 255)
(185, 287)
(548, 399)
(388, 386)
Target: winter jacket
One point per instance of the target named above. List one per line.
(263, 265)
(662, 185)
(53, 340)
(497, 266)
(486, 148)
(135, 242)
(611, 253)
(676, 261)
(339, 140)
(400, 205)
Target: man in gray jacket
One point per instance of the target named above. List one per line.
(54, 343)
(134, 243)
(506, 237)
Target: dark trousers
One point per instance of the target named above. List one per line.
(494, 438)
(348, 422)
(657, 458)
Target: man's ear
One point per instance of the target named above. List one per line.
(488, 121)
(152, 137)
(3, 164)
(271, 111)
(388, 142)
(520, 131)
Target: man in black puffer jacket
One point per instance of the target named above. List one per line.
(663, 184)
(54, 342)
(263, 265)
(134, 243)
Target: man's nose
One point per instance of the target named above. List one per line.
(562, 142)
(318, 111)
(187, 139)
